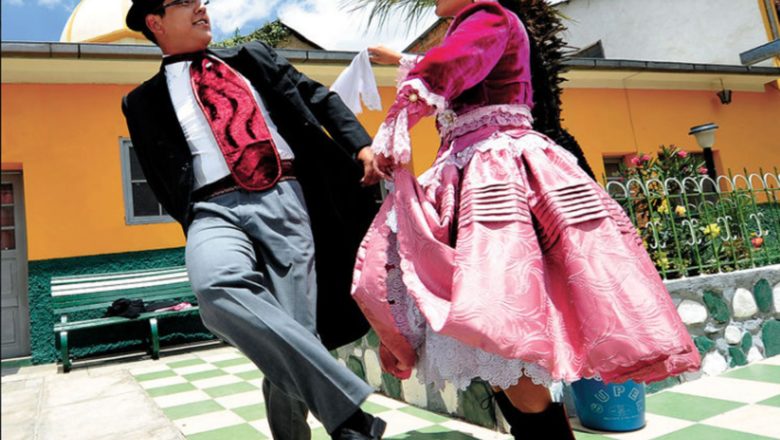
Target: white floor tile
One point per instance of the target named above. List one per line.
(656, 426)
(235, 369)
(181, 398)
(313, 423)
(194, 369)
(726, 388)
(208, 422)
(475, 431)
(241, 399)
(399, 422)
(164, 382)
(774, 360)
(216, 381)
(146, 369)
(217, 357)
(262, 426)
(754, 419)
(386, 401)
(256, 382)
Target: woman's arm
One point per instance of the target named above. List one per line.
(465, 57)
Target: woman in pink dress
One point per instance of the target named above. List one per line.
(505, 260)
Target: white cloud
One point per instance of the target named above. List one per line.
(229, 15)
(323, 21)
(335, 28)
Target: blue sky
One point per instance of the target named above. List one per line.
(33, 20)
(322, 21)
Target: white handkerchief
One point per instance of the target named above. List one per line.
(357, 81)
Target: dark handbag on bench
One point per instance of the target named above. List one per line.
(128, 308)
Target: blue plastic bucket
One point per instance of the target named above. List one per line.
(613, 407)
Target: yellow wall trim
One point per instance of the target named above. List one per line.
(770, 17)
(118, 35)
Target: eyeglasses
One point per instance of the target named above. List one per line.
(183, 4)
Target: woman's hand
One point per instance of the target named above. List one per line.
(385, 165)
(392, 364)
(383, 55)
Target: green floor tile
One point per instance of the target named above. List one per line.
(170, 389)
(186, 363)
(319, 434)
(250, 375)
(236, 432)
(200, 375)
(424, 434)
(251, 413)
(425, 415)
(703, 432)
(232, 362)
(434, 429)
(688, 407)
(226, 390)
(156, 375)
(763, 373)
(772, 401)
(192, 409)
(373, 408)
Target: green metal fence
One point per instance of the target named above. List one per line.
(699, 225)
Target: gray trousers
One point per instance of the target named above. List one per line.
(250, 258)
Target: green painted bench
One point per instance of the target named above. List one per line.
(96, 292)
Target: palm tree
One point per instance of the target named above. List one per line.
(413, 10)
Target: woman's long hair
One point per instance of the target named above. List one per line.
(544, 28)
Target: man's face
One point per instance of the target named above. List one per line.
(185, 26)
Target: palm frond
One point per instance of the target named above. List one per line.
(381, 10)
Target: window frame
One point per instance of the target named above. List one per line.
(618, 158)
(125, 144)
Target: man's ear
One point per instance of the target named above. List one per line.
(154, 23)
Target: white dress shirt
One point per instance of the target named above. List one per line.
(207, 161)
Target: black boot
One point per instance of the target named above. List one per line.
(360, 426)
(550, 424)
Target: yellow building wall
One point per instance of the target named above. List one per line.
(67, 139)
(615, 122)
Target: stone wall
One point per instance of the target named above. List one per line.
(734, 319)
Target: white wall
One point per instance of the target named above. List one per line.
(693, 31)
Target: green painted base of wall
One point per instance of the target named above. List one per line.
(112, 339)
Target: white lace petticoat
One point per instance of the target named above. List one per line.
(442, 359)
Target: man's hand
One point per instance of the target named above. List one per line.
(371, 174)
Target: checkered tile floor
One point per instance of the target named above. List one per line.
(217, 394)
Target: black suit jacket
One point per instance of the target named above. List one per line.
(340, 210)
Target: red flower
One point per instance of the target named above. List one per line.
(645, 158)
(703, 170)
(757, 242)
(682, 154)
(635, 161)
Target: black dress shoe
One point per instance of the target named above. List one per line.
(373, 430)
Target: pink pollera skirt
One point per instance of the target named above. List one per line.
(505, 259)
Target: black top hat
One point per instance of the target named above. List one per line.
(138, 12)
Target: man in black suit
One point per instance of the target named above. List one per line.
(232, 144)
